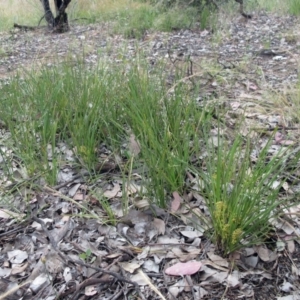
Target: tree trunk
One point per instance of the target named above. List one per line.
(59, 23)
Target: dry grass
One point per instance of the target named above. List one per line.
(29, 12)
(277, 6)
(106, 6)
(19, 11)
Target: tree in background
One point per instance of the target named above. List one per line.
(59, 22)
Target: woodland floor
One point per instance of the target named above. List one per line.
(256, 61)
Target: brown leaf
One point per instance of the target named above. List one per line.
(133, 145)
(176, 202)
(218, 259)
(159, 225)
(263, 253)
(112, 193)
(130, 267)
(181, 269)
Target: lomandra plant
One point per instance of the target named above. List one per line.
(165, 125)
(62, 104)
(242, 196)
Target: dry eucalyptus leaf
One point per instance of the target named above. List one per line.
(219, 277)
(175, 204)
(218, 259)
(67, 274)
(141, 279)
(290, 244)
(133, 145)
(287, 287)
(248, 251)
(90, 290)
(159, 225)
(263, 253)
(17, 256)
(39, 282)
(151, 266)
(235, 105)
(181, 269)
(130, 266)
(280, 245)
(73, 189)
(191, 234)
(289, 297)
(207, 272)
(141, 203)
(177, 288)
(112, 193)
(200, 292)
(251, 261)
(38, 226)
(131, 188)
(6, 214)
(79, 196)
(5, 272)
(19, 268)
(285, 226)
(167, 240)
(233, 279)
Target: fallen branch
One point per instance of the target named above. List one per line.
(24, 27)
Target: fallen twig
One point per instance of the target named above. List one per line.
(24, 27)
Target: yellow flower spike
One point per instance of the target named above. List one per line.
(83, 149)
(219, 209)
(225, 231)
(236, 235)
(43, 259)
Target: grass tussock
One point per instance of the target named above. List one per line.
(83, 109)
(88, 108)
(29, 12)
(241, 190)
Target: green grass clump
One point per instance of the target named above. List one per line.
(177, 18)
(294, 7)
(166, 127)
(133, 24)
(61, 104)
(84, 108)
(242, 196)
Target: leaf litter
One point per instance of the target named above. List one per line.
(152, 253)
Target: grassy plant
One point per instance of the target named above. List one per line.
(133, 24)
(242, 197)
(285, 104)
(131, 18)
(165, 126)
(84, 108)
(60, 104)
(294, 7)
(12, 12)
(71, 105)
(106, 10)
(30, 11)
(176, 18)
(205, 14)
(282, 7)
(87, 256)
